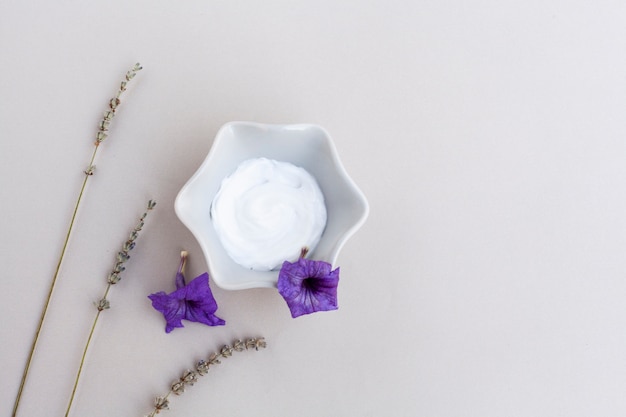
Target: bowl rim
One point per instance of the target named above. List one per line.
(220, 137)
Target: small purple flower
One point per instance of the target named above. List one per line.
(308, 286)
(192, 302)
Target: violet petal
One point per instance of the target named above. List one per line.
(308, 286)
(192, 302)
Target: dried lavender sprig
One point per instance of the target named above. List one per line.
(103, 127)
(123, 257)
(190, 377)
(103, 303)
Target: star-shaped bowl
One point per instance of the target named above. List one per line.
(304, 145)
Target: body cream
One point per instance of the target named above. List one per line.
(266, 211)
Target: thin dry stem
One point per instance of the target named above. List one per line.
(190, 377)
(100, 136)
(103, 303)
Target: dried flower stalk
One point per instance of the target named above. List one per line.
(190, 377)
(113, 278)
(101, 134)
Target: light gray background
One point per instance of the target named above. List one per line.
(488, 136)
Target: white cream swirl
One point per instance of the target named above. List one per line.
(266, 211)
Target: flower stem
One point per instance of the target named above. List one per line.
(82, 362)
(183, 261)
(103, 304)
(190, 377)
(100, 136)
(50, 291)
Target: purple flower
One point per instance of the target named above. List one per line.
(192, 302)
(308, 286)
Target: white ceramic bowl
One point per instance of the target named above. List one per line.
(304, 145)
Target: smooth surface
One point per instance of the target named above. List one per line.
(307, 146)
(488, 136)
(266, 212)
